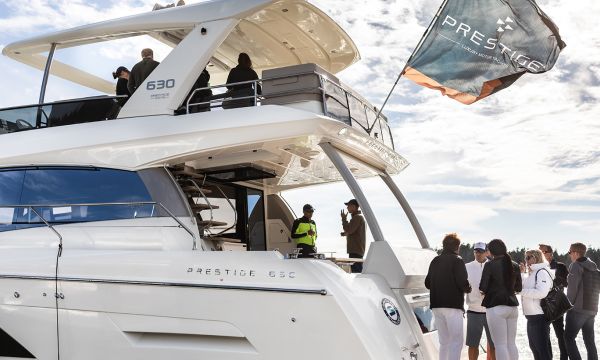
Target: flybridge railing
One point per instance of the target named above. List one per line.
(61, 214)
(321, 93)
(58, 113)
(336, 101)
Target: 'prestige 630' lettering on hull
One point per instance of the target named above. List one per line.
(491, 43)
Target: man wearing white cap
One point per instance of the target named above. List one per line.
(476, 320)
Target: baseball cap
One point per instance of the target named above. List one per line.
(479, 246)
(308, 207)
(351, 202)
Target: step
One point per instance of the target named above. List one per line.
(201, 207)
(223, 239)
(209, 223)
(188, 173)
(193, 189)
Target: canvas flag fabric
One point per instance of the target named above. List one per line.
(478, 47)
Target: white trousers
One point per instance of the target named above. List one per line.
(502, 322)
(449, 323)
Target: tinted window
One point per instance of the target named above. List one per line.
(65, 195)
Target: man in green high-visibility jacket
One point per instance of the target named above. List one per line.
(304, 231)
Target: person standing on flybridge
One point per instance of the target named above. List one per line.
(476, 319)
(141, 70)
(447, 281)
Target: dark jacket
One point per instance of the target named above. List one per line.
(560, 273)
(122, 90)
(447, 280)
(239, 74)
(581, 289)
(493, 285)
(140, 72)
(355, 233)
(200, 95)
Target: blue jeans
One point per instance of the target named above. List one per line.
(538, 333)
(585, 322)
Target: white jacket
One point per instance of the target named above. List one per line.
(534, 291)
(474, 298)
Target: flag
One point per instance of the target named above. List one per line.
(478, 47)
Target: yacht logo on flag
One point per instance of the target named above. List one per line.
(468, 55)
(504, 24)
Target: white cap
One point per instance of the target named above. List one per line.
(479, 246)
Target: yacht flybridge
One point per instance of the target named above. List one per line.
(154, 231)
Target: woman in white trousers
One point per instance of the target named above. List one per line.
(500, 281)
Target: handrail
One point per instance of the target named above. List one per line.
(68, 101)
(140, 203)
(60, 238)
(256, 82)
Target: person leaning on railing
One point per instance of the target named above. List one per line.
(242, 72)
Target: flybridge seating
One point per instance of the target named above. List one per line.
(306, 87)
(58, 113)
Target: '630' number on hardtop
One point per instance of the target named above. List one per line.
(160, 84)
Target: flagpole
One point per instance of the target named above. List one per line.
(425, 33)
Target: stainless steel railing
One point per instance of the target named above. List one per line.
(349, 108)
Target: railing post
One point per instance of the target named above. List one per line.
(38, 120)
(338, 162)
(407, 210)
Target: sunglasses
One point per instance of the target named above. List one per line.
(479, 251)
(547, 252)
(528, 257)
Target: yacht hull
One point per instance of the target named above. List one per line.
(190, 305)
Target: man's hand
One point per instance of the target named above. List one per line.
(344, 215)
(310, 232)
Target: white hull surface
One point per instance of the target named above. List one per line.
(190, 305)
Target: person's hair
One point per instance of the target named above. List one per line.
(119, 71)
(537, 254)
(579, 248)
(498, 248)
(451, 242)
(244, 60)
(546, 248)
(147, 52)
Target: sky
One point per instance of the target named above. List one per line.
(522, 165)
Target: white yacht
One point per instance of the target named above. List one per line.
(155, 231)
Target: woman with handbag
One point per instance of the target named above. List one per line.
(537, 283)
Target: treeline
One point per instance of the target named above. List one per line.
(518, 255)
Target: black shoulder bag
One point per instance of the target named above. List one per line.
(556, 303)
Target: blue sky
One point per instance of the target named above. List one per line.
(522, 165)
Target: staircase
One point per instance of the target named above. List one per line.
(194, 186)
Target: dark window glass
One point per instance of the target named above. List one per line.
(67, 195)
(256, 220)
